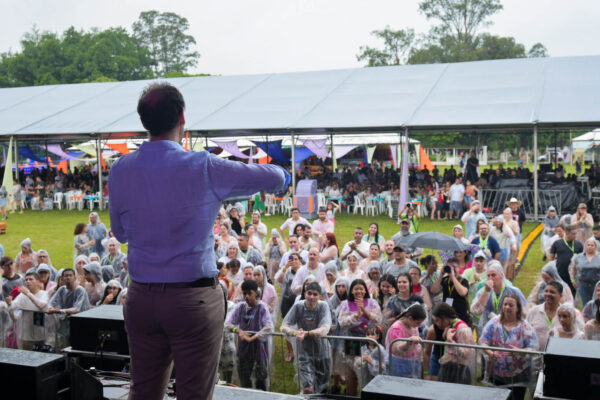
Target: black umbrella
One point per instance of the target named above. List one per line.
(429, 240)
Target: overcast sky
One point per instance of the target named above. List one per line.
(262, 36)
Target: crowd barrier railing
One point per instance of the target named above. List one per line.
(508, 368)
(281, 373)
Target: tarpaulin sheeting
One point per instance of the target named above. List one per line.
(569, 194)
(26, 152)
(274, 150)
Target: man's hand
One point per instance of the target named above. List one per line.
(24, 290)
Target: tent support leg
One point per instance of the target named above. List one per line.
(535, 172)
(293, 164)
(99, 165)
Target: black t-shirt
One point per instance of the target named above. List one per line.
(563, 254)
(522, 218)
(459, 303)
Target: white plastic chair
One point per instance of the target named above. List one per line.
(371, 206)
(35, 203)
(287, 205)
(359, 204)
(321, 200)
(58, 199)
(98, 200)
(270, 203)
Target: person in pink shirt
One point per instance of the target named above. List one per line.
(322, 226)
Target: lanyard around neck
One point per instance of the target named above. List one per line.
(571, 247)
(496, 299)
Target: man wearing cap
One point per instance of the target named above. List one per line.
(487, 243)
(518, 214)
(405, 230)
(400, 265)
(31, 301)
(471, 217)
(457, 232)
(163, 203)
(477, 275)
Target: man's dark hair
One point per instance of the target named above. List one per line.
(596, 228)
(556, 285)
(295, 209)
(248, 285)
(159, 107)
(34, 274)
(5, 261)
(244, 235)
(322, 209)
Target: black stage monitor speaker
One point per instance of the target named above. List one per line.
(232, 393)
(572, 369)
(84, 385)
(101, 325)
(384, 387)
(31, 375)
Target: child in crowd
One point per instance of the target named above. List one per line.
(332, 208)
(251, 315)
(227, 359)
(372, 361)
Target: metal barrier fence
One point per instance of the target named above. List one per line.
(495, 200)
(517, 371)
(281, 375)
(57, 331)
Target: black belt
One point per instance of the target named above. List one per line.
(202, 282)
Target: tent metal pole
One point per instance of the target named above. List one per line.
(267, 136)
(535, 172)
(47, 160)
(293, 164)
(571, 152)
(99, 166)
(16, 160)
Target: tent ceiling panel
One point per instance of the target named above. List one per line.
(484, 95)
(370, 97)
(276, 103)
(60, 100)
(571, 91)
(500, 92)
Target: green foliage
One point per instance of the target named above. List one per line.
(178, 74)
(74, 57)
(397, 44)
(455, 37)
(164, 36)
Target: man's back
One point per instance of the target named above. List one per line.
(164, 201)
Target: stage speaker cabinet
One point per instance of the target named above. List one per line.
(384, 387)
(306, 198)
(102, 325)
(32, 375)
(572, 369)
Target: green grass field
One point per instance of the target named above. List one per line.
(53, 231)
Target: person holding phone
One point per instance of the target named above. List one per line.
(454, 288)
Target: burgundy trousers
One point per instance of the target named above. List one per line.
(166, 325)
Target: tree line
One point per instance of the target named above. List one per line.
(455, 36)
(159, 45)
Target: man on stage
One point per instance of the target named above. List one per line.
(163, 203)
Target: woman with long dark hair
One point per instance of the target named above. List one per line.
(458, 363)
(406, 355)
(355, 315)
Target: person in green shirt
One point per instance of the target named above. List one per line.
(477, 274)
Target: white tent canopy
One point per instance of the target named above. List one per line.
(517, 93)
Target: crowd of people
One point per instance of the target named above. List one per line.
(297, 276)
